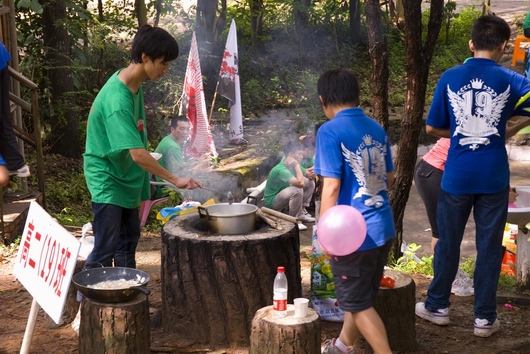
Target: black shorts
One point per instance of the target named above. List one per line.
(357, 277)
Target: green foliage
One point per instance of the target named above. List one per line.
(468, 266)
(68, 199)
(8, 251)
(507, 282)
(409, 262)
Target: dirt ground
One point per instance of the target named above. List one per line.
(514, 337)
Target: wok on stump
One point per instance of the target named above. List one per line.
(212, 285)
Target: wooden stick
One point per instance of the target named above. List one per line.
(268, 220)
(280, 215)
(213, 102)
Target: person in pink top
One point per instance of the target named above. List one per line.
(428, 179)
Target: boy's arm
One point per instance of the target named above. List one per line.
(520, 122)
(298, 179)
(149, 164)
(442, 133)
(330, 193)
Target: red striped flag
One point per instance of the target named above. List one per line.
(193, 106)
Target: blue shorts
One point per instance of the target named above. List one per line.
(357, 277)
(2, 161)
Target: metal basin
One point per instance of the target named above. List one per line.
(519, 212)
(229, 219)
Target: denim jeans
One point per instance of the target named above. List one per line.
(489, 212)
(116, 235)
(9, 148)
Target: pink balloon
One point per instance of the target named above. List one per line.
(341, 230)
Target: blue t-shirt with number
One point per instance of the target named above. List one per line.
(355, 149)
(474, 100)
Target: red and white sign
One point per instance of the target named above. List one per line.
(46, 260)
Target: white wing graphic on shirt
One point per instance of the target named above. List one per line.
(478, 110)
(368, 166)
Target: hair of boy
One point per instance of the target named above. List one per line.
(175, 120)
(156, 43)
(489, 32)
(337, 87)
(292, 146)
(309, 142)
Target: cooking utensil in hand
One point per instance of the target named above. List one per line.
(230, 198)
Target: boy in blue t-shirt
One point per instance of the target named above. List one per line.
(353, 157)
(4, 172)
(471, 105)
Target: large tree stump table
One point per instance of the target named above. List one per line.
(115, 328)
(396, 308)
(212, 285)
(271, 335)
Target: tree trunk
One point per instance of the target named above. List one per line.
(65, 126)
(141, 12)
(256, 20)
(301, 23)
(272, 335)
(122, 327)
(205, 19)
(212, 284)
(355, 22)
(418, 61)
(379, 58)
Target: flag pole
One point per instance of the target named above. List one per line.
(213, 103)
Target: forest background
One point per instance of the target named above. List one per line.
(398, 49)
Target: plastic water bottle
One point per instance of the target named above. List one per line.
(280, 294)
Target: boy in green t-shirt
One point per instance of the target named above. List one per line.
(116, 162)
(287, 187)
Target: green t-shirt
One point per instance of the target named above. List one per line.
(277, 181)
(526, 23)
(116, 123)
(308, 162)
(172, 158)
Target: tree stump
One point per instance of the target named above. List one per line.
(272, 335)
(115, 328)
(212, 285)
(396, 309)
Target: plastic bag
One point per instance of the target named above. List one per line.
(323, 299)
(166, 214)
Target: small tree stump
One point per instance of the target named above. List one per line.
(271, 335)
(396, 309)
(115, 328)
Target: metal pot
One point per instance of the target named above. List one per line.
(85, 278)
(229, 219)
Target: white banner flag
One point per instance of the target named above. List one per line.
(228, 85)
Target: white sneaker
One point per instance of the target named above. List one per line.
(306, 218)
(439, 317)
(485, 328)
(301, 227)
(21, 172)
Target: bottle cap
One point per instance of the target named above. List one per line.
(281, 269)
